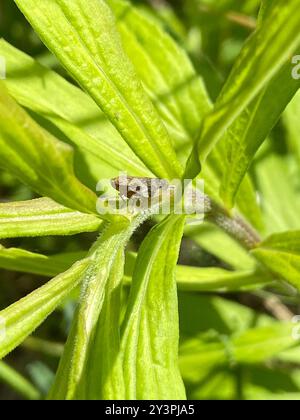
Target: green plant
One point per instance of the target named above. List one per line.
(140, 106)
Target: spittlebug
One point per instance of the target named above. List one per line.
(129, 186)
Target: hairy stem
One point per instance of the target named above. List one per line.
(236, 226)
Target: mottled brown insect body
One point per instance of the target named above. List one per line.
(139, 187)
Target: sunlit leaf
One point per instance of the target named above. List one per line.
(83, 36)
(252, 346)
(215, 279)
(39, 159)
(16, 259)
(262, 56)
(281, 254)
(188, 278)
(73, 112)
(21, 318)
(203, 279)
(75, 374)
(278, 190)
(248, 132)
(150, 333)
(42, 217)
(177, 91)
(292, 123)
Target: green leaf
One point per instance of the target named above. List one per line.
(265, 8)
(16, 259)
(184, 85)
(166, 71)
(250, 347)
(21, 318)
(252, 127)
(150, 332)
(20, 384)
(39, 159)
(281, 254)
(84, 37)
(210, 317)
(292, 124)
(267, 342)
(272, 383)
(188, 278)
(104, 378)
(73, 112)
(207, 279)
(278, 190)
(74, 373)
(254, 383)
(269, 396)
(247, 133)
(215, 279)
(248, 203)
(212, 174)
(76, 376)
(261, 58)
(177, 91)
(43, 217)
(291, 355)
(218, 243)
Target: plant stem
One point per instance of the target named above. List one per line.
(236, 226)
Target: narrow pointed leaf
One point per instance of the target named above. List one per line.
(39, 159)
(248, 132)
(74, 375)
(188, 278)
(84, 37)
(23, 261)
(197, 279)
(150, 338)
(215, 279)
(72, 111)
(103, 371)
(43, 217)
(262, 56)
(166, 71)
(21, 318)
